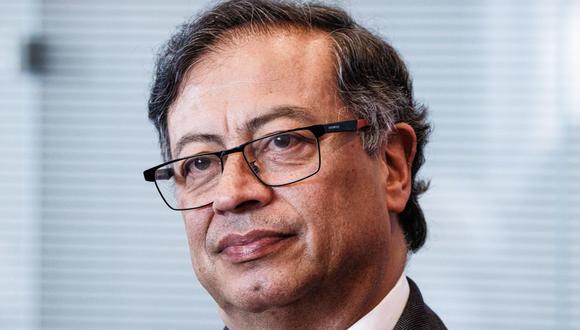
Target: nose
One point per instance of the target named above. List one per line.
(238, 189)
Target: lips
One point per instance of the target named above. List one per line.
(254, 245)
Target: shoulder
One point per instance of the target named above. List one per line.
(417, 315)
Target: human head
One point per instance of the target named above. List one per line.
(371, 79)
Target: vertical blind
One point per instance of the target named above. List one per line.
(19, 173)
(113, 257)
(503, 159)
(87, 244)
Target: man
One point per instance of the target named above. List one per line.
(292, 144)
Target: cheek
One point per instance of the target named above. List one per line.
(348, 189)
(196, 225)
(336, 202)
(325, 205)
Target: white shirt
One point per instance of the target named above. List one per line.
(386, 314)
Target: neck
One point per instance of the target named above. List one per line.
(336, 303)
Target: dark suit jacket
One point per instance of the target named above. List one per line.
(416, 314)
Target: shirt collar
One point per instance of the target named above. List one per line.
(386, 314)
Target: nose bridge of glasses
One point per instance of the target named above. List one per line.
(224, 155)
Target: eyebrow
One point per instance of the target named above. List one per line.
(284, 111)
(200, 138)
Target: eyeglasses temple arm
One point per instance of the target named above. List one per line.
(346, 126)
(153, 174)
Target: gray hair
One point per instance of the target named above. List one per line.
(371, 78)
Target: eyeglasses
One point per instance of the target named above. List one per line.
(277, 159)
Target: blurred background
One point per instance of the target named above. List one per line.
(86, 243)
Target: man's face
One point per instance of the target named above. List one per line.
(258, 247)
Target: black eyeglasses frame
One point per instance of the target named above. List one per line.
(152, 175)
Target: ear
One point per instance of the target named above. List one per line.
(398, 152)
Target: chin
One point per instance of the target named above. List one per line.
(257, 295)
(255, 304)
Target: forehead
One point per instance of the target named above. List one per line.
(247, 77)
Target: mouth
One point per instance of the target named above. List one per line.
(253, 245)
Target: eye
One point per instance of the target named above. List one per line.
(283, 140)
(201, 163)
(283, 145)
(197, 165)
